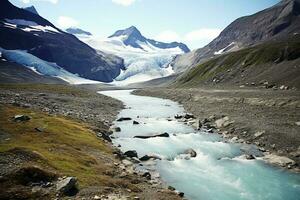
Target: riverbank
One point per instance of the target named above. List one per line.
(51, 133)
(267, 118)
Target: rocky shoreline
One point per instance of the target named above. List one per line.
(220, 112)
(98, 112)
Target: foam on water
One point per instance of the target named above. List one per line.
(219, 171)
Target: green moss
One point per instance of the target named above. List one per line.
(66, 145)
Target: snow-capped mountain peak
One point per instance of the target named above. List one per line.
(133, 37)
(130, 36)
(144, 58)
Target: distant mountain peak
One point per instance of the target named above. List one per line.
(31, 9)
(132, 33)
(135, 38)
(77, 31)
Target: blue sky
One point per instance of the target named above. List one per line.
(195, 22)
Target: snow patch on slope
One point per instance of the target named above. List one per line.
(42, 67)
(226, 49)
(28, 26)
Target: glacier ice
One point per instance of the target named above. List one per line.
(43, 67)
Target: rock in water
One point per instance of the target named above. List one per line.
(124, 119)
(250, 157)
(153, 136)
(135, 122)
(279, 160)
(21, 118)
(191, 152)
(148, 157)
(65, 185)
(131, 154)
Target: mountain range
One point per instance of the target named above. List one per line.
(144, 59)
(279, 21)
(24, 30)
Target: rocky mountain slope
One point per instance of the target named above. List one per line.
(274, 23)
(144, 59)
(270, 64)
(23, 30)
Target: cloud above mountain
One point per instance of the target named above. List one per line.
(67, 22)
(203, 36)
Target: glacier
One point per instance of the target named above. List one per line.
(43, 67)
(142, 64)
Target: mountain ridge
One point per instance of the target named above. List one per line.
(21, 29)
(134, 36)
(275, 22)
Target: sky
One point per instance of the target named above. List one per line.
(194, 22)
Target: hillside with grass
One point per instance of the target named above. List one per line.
(275, 62)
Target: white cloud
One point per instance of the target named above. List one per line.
(168, 36)
(194, 39)
(123, 2)
(29, 1)
(202, 34)
(67, 22)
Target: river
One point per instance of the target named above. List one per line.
(219, 171)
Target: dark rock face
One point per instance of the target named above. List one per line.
(134, 36)
(31, 9)
(76, 31)
(55, 46)
(276, 22)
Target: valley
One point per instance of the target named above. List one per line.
(137, 115)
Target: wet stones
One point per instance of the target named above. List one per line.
(135, 122)
(279, 160)
(250, 157)
(153, 136)
(148, 157)
(190, 152)
(131, 154)
(124, 119)
(115, 129)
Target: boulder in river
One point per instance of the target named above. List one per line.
(191, 152)
(116, 129)
(279, 160)
(148, 157)
(135, 122)
(153, 136)
(189, 116)
(131, 154)
(250, 157)
(124, 119)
